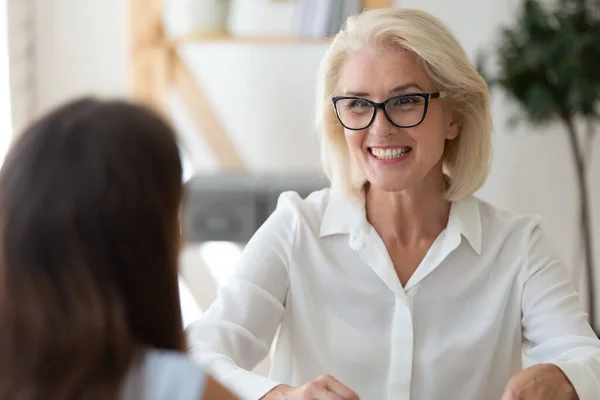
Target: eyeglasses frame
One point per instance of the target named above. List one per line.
(382, 105)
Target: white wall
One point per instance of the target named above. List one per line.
(263, 94)
(22, 55)
(5, 101)
(82, 49)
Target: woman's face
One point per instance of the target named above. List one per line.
(393, 158)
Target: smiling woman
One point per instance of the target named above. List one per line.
(390, 158)
(397, 282)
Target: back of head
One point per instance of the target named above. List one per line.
(89, 235)
(466, 159)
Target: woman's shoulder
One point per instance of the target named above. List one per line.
(506, 225)
(316, 201)
(161, 374)
(521, 238)
(307, 210)
(493, 213)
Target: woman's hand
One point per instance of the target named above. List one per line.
(324, 388)
(216, 391)
(540, 382)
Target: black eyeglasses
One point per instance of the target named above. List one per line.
(404, 111)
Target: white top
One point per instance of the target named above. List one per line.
(489, 285)
(163, 375)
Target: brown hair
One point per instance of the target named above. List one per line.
(89, 236)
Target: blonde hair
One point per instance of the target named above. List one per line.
(466, 159)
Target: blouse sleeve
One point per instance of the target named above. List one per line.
(555, 327)
(236, 332)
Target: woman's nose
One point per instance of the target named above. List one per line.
(381, 126)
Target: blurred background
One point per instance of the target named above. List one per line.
(237, 79)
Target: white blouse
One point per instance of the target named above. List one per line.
(318, 275)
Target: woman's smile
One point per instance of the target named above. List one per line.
(389, 154)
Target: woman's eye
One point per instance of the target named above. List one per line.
(358, 104)
(407, 101)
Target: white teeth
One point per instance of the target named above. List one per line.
(388, 154)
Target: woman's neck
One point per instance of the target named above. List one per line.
(412, 215)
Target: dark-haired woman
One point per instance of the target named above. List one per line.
(89, 239)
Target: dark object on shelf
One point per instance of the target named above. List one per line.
(231, 207)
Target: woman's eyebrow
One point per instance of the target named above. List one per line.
(397, 89)
(402, 88)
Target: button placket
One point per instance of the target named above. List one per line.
(373, 251)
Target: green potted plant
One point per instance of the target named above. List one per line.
(549, 63)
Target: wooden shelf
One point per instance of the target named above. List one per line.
(156, 65)
(250, 39)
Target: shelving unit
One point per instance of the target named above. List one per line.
(156, 65)
(266, 40)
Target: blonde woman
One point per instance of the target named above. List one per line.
(397, 283)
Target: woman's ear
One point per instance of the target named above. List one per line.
(453, 129)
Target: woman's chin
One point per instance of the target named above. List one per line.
(388, 185)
